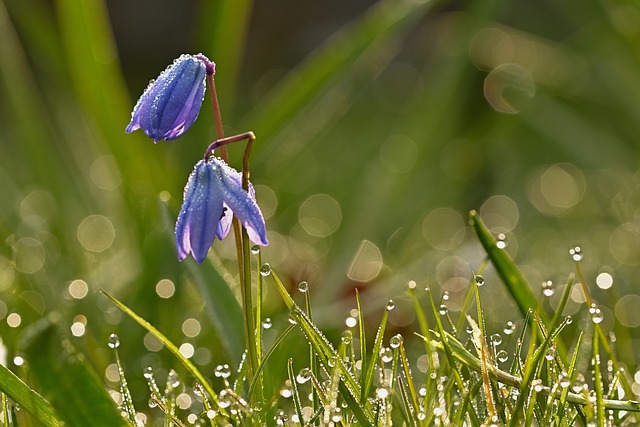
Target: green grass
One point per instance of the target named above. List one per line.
(369, 151)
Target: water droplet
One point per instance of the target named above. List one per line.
(565, 381)
(576, 253)
(443, 309)
(547, 288)
(502, 241)
(568, 320)
(383, 392)
(550, 353)
(386, 354)
(173, 379)
(255, 249)
(347, 337)
(304, 376)
(390, 305)
(148, 372)
(266, 323)
(596, 313)
(265, 269)
(496, 339)
(412, 284)
(395, 341)
(445, 296)
(510, 328)
(478, 279)
(222, 371)
(502, 356)
(114, 341)
(469, 329)
(303, 286)
(292, 320)
(153, 403)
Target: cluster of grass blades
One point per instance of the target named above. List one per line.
(462, 376)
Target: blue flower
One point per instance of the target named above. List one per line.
(212, 196)
(171, 103)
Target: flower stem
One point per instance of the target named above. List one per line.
(240, 234)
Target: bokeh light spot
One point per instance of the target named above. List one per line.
(78, 289)
(556, 190)
(7, 274)
(267, 200)
(604, 280)
(96, 233)
(191, 327)
(500, 214)
(626, 310)
(14, 320)
(28, 255)
(105, 174)
(366, 264)
(507, 86)
(165, 288)
(399, 154)
(187, 350)
(320, 215)
(443, 228)
(152, 343)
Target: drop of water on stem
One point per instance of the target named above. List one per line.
(265, 269)
(395, 341)
(390, 305)
(478, 279)
(576, 253)
(255, 249)
(303, 286)
(114, 341)
(547, 288)
(266, 323)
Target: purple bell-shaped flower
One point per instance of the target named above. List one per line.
(212, 196)
(171, 103)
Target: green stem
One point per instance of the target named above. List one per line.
(241, 238)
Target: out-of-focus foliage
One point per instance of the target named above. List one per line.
(377, 131)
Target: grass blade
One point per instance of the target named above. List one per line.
(190, 367)
(28, 399)
(74, 389)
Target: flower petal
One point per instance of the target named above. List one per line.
(200, 213)
(171, 103)
(225, 222)
(242, 203)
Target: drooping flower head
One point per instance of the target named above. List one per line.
(171, 103)
(212, 196)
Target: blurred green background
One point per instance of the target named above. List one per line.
(379, 125)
